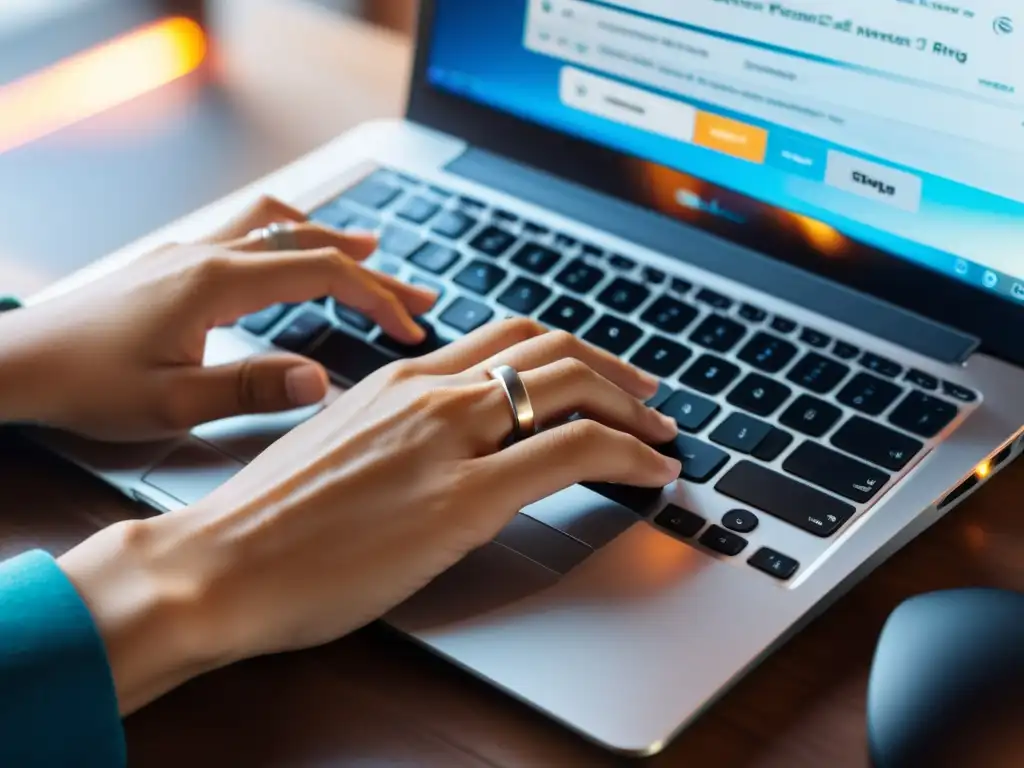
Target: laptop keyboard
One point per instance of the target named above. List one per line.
(780, 418)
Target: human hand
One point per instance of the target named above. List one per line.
(360, 507)
(122, 358)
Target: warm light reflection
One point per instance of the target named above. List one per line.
(91, 82)
(823, 237)
(983, 470)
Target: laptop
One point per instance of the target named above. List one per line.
(808, 222)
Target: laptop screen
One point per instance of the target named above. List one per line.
(897, 123)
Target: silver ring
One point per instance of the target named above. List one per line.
(278, 237)
(524, 420)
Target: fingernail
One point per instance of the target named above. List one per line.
(305, 385)
(650, 381)
(668, 421)
(672, 465)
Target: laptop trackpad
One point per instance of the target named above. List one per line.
(192, 471)
(584, 515)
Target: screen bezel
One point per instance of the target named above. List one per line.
(873, 271)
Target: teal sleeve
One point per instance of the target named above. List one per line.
(58, 706)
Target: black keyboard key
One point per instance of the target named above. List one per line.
(783, 324)
(349, 358)
(592, 251)
(623, 295)
(741, 433)
(412, 181)
(353, 319)
(432, 285)
(818, 373)
(718, 333)
(301, 332)
(533, 228)
(373, 192)
(822, 466)
(881, 365)
(740, 521)
(774, 563)
(524, 295)
(700, 461)
(681, 522)
(922, 380)
(759, 395)
(567, 314)
(613, 334)
(691, 411)
(536, 258)
(579, 277)
(722, 541)
(680, 286)
(753, 314)
(785, 498)
(923, 415)
(333, 215)
(773, 445)
(963, 394)
(669, 315)
(440, 191)
(398, 241)
(814, 338)
(768, 353)
(710, 375)
(260, 322)
(716, 300)
(434, 258)
(877, 444)
(661, 356)
(418, 210)
(564, 241)
(661, 396)
(869, 394)
(506, 216)
(811, 416)
(453, 224)
(431, 343)
(480, 277)
(845, 351)
(471, 203)
(492, 241)
(466, 315)
(640, 500)
(653, 276)
(621, 262)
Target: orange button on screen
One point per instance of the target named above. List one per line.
(747, 142)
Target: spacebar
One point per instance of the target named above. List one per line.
(349, 358)
(787, 499)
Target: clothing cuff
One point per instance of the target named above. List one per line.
(58, 705)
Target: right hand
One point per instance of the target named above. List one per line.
(354, 511)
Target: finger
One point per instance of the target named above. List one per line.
(578, 452)
(559, 345)
(568, 386)
(262, 213)
(416, 298)
(479, 345)
(255, 385)
(310, 236)
(245, 283)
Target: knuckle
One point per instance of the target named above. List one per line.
(583, 433)
(213, 267)
(518, 329)
(572, 369)
(400, 372)
(563, 343)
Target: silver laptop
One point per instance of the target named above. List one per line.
(809, 223)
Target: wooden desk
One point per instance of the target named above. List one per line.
(374, 699)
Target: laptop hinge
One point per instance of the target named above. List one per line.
(688, 244)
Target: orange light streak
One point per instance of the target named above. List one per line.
(101, 78)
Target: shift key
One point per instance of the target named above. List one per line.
(807, 508)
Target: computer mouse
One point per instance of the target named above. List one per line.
(947, 682)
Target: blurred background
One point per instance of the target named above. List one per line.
(118, 116)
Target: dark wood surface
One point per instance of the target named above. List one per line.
(375, 699)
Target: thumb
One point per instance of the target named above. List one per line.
(263, 384)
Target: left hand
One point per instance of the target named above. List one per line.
(122, 358)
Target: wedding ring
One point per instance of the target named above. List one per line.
(524, 421)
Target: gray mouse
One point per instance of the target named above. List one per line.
(947, 682)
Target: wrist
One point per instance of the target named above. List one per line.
(26, 377)
(151, 616)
